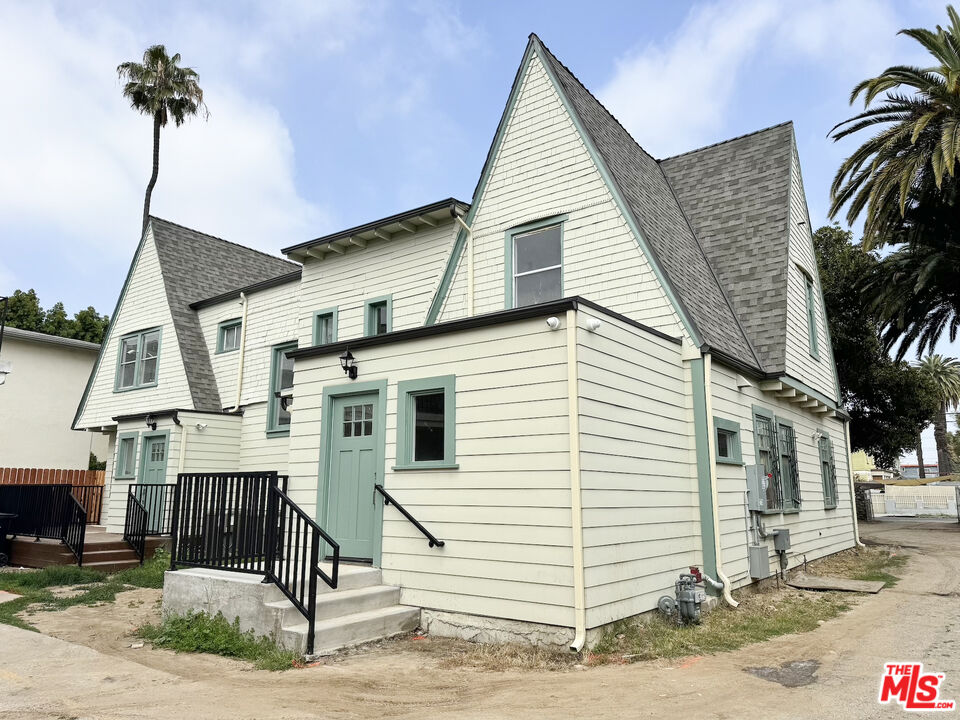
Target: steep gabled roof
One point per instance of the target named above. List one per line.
(660, 219)
(737, 196)
(195, 265)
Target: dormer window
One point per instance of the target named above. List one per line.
(139, 356)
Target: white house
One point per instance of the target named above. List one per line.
(567, 380)
(43, 379)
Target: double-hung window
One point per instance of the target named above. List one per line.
(828, 470)
(811, 317)
(228, 335)
(281, 390)
(325, 326)
(776, 451)
(534, 263)
(377, 316)
(426, 423)
(137, 364)
(126, 466)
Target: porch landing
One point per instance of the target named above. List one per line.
(360, 610)
(107, 552)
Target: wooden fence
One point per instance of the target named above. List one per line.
(87, 484)
(41, 476)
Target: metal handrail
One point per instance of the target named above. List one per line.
(388, 499)
(135, 524)
(75, 528)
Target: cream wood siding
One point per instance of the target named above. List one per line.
(638, 468)
(543, 168)
(271, 320)
(814, 532)
(144, 306)
(108, 482)
(505, 513)
(408, 266)
(818, 374)
(214, 448)
(257, 451)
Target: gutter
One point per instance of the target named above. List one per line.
(469, 231)
(576, 497)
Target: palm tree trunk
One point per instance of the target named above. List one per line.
(920, 468)
(940, 433)
(156, 170)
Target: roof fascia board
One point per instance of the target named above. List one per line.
(113, 319)
(685, 318)
(453, 261)
(256, 287)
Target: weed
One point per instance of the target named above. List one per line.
(869, 563)
(199, 632)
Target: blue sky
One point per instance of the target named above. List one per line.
(329, 114)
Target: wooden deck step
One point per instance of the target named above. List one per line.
(103, 551)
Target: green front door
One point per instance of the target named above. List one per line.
(352, 474)
(153, 471)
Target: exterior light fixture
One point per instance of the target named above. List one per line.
(151, 423)
(348, 364)
(285, 400)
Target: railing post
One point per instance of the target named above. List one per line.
(312, 601)
(175, 518)
(270, 539)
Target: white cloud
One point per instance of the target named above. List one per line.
(676, 95)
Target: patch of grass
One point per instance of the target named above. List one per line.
(761, 616)
(199, 632)
(95, 587)
(868, 563)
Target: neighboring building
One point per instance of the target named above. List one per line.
(866, 470)
(44, 381)
(565, 385)
(931, 470)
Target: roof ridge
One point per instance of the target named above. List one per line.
(605, 109)
(227, 242)
(728, 140)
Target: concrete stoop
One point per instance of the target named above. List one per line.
(360, 610)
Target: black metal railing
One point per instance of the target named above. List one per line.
(45, 511)
(388, 499)
(91, 498)
(246, 522)
(296, 565)
(157, 498)
(75, 527)
(135, 524)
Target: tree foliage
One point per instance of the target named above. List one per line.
(944, 374)
(26, 313)
(889, 402)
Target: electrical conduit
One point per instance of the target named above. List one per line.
(244, 301)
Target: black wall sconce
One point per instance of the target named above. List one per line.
(151, 423)
(349, 365)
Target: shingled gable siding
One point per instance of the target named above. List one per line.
(639, 483)
(505, 513)
(814, 531)
(817, 373)
(408, 266)
(543, 168)
(271, 320)
(144, 306)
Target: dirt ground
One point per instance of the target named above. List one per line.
(83, 665)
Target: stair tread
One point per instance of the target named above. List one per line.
(352, 618)
(338, 596)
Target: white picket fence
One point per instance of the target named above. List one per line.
(913, 501)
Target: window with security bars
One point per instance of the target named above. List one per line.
(828, 470)
(789, 470)
(776, 448)
(768, 460)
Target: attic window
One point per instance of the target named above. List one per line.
(811, 316)
(138, 360)
(228, 336)
(534, 262)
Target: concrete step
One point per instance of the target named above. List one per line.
(348, 630)
(351, 577)
(337, 604)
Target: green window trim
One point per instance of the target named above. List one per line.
(811, 317)
(138, 362)
(732, 430)
(509, 253)
(123, 455)
(318, 315)
(790, 498)
(274, 428)
(407, 390)
(369, 308)
(828, 471)
(221, 333)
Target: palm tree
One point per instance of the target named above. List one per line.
(159, 87)
(944, 373)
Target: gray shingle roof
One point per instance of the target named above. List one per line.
(195, 265)
(660, 219)
(736, 195)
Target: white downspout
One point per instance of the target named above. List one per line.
(469, 264)
(711, 443)
(576, 500)
(853, 495)
(183, 448)
(243, 347)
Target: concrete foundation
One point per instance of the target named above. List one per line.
(482, 629)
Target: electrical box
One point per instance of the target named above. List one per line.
(759, 560)
(781, 539)
(757, 488)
